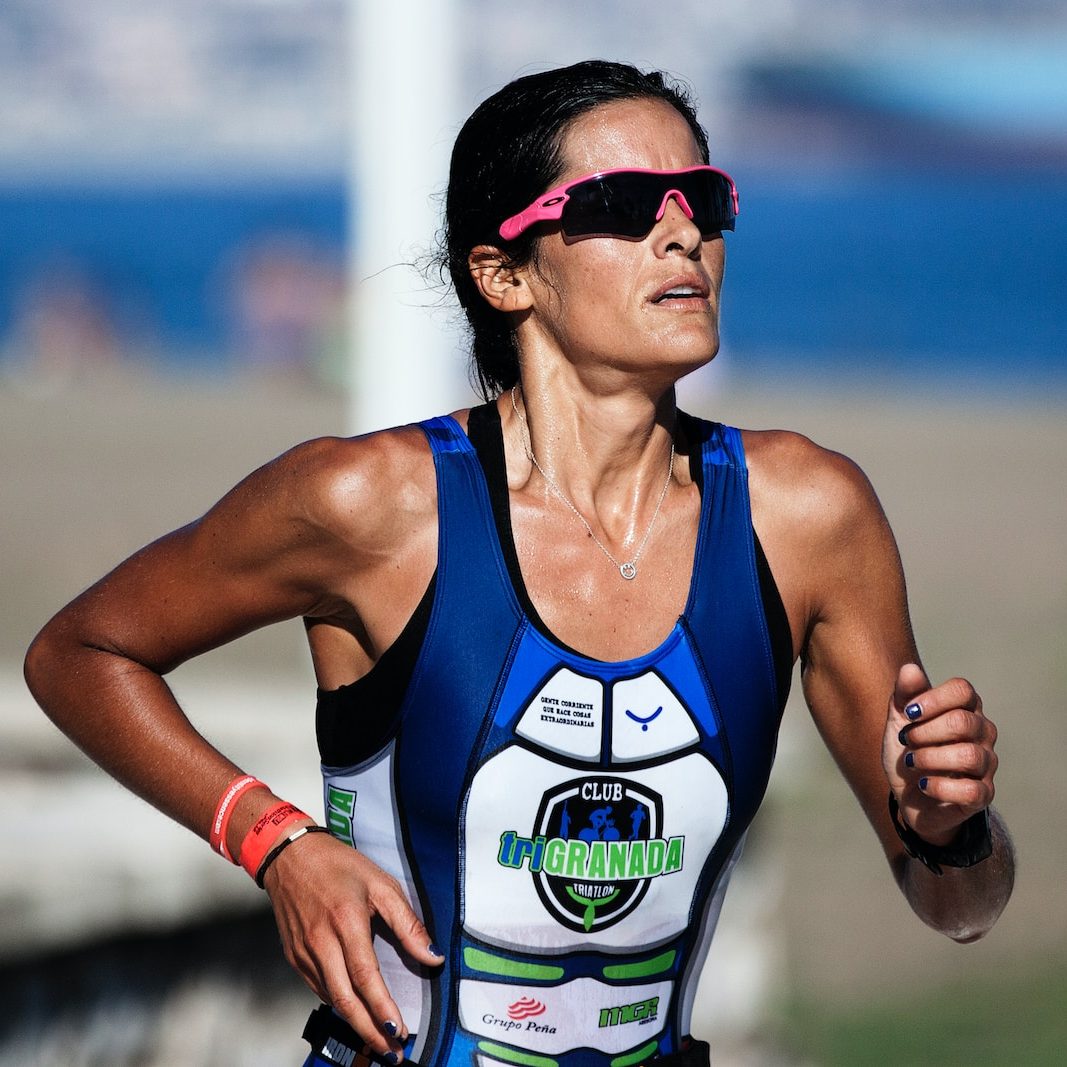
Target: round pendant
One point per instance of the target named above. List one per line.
(628, 571)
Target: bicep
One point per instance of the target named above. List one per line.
(253, 559)
(172, 601)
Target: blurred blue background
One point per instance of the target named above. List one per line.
(173, 177)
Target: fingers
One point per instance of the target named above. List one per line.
(342, 970)
(950, 725)
(958, 774)
(914, 699)
(941, 761)
(325, 925)
(408, 928)
(357, 992)
(970, 795)
(962, 759)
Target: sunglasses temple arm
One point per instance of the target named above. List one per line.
(547, 209)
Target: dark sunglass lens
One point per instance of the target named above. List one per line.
(614, 204)
(711, 200)
(625, 204)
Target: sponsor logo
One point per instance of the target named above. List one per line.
(643, 1011)
(340, 806)
(595, 848)
(524, 1008)
(521, 1018)
(646, 719)
(336, 1052)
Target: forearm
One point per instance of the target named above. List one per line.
(963, 903)
(123, 715)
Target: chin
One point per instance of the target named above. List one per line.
(669, 371)
(690, 354)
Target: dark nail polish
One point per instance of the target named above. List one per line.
(435, 951)
(390, 1027)
(391, 1057)
(909, 759)
(902, 737)
(913, 711)
(923, 783)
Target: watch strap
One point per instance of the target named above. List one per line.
(971, 845)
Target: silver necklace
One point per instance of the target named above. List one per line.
(627, 569)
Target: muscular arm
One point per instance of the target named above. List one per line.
(830, 544)
(313, 534)
(97, 667)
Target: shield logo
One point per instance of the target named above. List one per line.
(597, 831)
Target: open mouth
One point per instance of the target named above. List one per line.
(680, 292)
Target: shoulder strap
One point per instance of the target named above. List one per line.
(718, 445)
(727, 619)
(445, 435)
(469, 558)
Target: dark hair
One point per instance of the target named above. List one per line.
(508, 153)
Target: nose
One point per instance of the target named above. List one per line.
(675, 228)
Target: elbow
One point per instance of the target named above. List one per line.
(41, 664)
(967, 929)
(965, 903)
(964, 926)
(71, 654)
(52, 660)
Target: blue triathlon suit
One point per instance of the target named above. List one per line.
(565, 827)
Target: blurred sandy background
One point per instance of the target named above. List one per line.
(875, 301)
(973, 491)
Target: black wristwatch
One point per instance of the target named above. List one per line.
(972, 844)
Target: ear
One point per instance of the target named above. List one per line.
(504, 286)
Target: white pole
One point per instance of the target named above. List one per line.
(404, 364)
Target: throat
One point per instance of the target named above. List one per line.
(626, 564)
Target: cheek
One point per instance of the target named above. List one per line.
(591, 287)
(611, 274)
(714, 257)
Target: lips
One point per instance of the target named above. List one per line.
(682, 288)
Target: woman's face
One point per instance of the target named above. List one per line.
(600, 300)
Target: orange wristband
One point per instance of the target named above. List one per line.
(264, 834)
(227, 802)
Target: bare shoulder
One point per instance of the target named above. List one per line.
(367, 490)
(821, 526)
(798, 483)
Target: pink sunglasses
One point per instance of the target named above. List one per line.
(628, 202)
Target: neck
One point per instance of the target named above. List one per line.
(589, 432)
(609, 457)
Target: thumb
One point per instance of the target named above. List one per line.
(911, 683)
